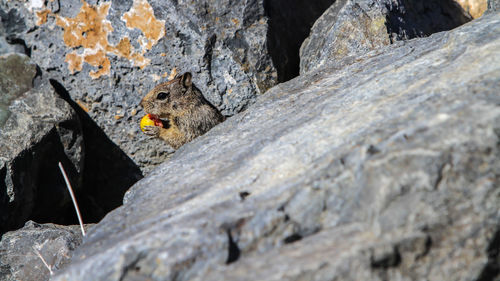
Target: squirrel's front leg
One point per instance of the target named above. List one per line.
(153, 131)
(172, 135)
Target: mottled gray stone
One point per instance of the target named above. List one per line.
(493, 5)
(223, 43)
(16, 77)
(20, 250)
(384, 169)
(355, 27)
(6, 47)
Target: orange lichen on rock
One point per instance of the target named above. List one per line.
(42, 16)
(142, 17)
(123, 48)
(139, 60)
(82, 105)
(75, 62)
(172, 74)
(90, 29)
(100, 61)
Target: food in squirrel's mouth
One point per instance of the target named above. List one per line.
(150, 120)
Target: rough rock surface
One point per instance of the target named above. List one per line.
(354, 27)
(39, 130)
(493, 5)
(20, 250)
(385, 169)
(110, 54)
(16, 77)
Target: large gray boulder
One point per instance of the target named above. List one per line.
(37, 130)
(107, 56)
(350, 28)
(385, 169)
(21, 251)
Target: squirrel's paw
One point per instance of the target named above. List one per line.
(153, 131)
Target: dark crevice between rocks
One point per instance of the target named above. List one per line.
(427, 248)
(372, 150)
(289, 24)
(132, 271)
(409, 19)
(244, 195)
(233, 251)
(18, 41)
(492, 269)
(44, 193)
(4, 198)
(108, 172)
(392, 259)
(381, 264)
(48, 181)
(38, 79)
(292, 238)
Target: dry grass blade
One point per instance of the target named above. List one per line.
(43, 260)
(72, 197)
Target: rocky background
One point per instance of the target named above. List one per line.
(379, 162)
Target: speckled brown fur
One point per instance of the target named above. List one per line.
(189, 114)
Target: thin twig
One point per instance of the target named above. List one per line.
(43, 260)
(72, 197)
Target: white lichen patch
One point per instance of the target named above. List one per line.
(34, 4)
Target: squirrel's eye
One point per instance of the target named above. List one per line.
(162, 95)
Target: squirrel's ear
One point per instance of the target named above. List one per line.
(186, 79)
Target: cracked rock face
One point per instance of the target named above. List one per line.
(384, 169)
(39, 130)
(350, 28)
(109, 54)
(20, 250)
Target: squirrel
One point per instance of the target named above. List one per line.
(189, 114)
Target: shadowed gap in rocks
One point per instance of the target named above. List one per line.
(409, 19)
(4, 197)
(108, 172)
(42, 163)
(491, 271)
(233, 249)
(289, 24)
(44, 193)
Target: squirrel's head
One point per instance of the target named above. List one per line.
(170, 98)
